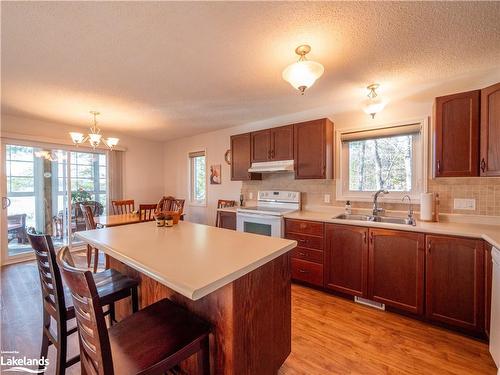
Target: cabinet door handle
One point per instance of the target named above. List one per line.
(364, 237)
(302, 240)
(302, 254)
(303, 271)
(483, 165)
(272, 154)
(429, 245)
(439, 166)
(371, 237)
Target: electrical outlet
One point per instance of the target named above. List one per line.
(250, 195)
(464, 204)
(327, 198)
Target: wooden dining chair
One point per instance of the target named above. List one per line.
(89, 225)
(150, 341)
(124, 206)
(223, 203)
(57, 303)
(147, 212)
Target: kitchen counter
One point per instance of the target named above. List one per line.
(487, 232)
(192, 259)
(238, 282)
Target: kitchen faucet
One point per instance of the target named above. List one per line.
(376, 209)
(410, 219)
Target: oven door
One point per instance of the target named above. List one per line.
(267, 225)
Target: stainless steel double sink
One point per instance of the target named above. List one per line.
(377, 219)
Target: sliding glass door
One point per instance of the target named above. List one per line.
(37, 185)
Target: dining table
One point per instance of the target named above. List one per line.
(108, 221)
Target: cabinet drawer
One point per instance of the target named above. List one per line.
(306, 241)
(309, 272)
(315, 256)
(304, 227)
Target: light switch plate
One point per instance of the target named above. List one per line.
(464, 204)
(327, 198)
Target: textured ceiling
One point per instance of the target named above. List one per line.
(164, 70)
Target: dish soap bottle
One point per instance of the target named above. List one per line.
(348, 208)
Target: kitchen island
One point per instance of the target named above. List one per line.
(238, 282)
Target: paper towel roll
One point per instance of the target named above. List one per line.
(426, 206)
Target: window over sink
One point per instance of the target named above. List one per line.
(391, 158)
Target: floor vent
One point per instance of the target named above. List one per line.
(370, 303)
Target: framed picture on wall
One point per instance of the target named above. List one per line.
(215, 174)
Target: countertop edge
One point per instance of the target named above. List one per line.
(193, 294)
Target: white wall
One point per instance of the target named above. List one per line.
(143, 161)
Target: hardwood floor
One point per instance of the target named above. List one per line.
(330, 335)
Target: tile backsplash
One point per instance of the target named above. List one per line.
(485, 190)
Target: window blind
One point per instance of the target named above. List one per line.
(196, 154)
(381, 133)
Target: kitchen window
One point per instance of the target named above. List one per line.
(391, 158)
(198, 180)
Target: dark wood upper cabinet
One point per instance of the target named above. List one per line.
(457, 135)
(396, 262)
(455, 282)
(282, 143)
(346, 256)
(261, 145)
(240, 158)
(313, 149)
(490, 131)
(488, 279)
(272, 144)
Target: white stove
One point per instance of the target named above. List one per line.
(267, 216)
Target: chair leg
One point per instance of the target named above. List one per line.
(112, 314)
(45, 340)
(89, 255)
(96, 259)
(204, 358)
(135, 300)
(62, 338)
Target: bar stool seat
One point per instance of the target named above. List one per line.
(111, 286)
(174, 334)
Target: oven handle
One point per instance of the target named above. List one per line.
(257, 216)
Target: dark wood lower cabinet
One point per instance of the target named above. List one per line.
(346, 256)
(396, 262)
(455, 282)
(308, 272)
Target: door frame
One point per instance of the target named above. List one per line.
(5, 259)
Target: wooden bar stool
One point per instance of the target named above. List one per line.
(57, 303)
(223, 203)
(124, 206)
(147, 212)
(90, 224)
(150, 341)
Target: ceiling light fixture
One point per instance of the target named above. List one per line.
(94, 137)
(303, 73)
(374, 104)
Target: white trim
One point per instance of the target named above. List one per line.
(394, 197)
(51, 142)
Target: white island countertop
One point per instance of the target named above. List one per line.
(191, 259)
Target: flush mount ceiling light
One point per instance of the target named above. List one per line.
(303, 73)
(94, 137)
(374, 104)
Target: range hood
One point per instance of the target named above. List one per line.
(272, 166)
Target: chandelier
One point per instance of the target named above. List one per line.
(94, 137)
(374, 104)
(303, 73)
